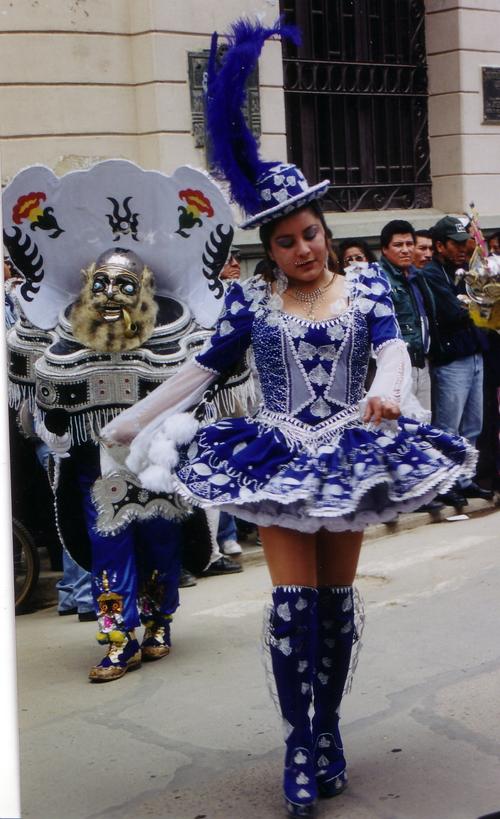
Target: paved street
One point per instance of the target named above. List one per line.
(195, 736)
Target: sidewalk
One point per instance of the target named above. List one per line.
(45, 594)
(252, 553)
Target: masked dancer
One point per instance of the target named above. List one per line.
(108, 338)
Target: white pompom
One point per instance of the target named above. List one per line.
(164, 453)
(180, 428)
(137, 458)
(157, 479)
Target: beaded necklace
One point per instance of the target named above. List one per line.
(310, 298)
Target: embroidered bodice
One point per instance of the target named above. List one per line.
(309, 371)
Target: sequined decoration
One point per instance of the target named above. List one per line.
(110, 617)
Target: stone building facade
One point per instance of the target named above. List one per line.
(83, 80)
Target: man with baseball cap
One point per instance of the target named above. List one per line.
(457, 366)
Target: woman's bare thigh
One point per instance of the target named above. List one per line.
(337, 557)
(290, 556)
(319, 559)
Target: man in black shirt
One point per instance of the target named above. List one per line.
(457, 369)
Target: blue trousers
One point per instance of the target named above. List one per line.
(135, 573)
(458, 398)
(74, 589)
(227, 528)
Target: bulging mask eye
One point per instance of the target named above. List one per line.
(128, 288)
(98, 286)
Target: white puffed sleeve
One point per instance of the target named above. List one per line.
(393, 377)
(180, 392)
(155, 426)
(392, 380)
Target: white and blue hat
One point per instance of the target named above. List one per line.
(264, 190)
(283, 188)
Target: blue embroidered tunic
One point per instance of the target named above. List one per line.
(305, 459)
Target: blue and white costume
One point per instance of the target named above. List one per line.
(305, 459)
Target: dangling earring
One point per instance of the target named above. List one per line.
(281, 280)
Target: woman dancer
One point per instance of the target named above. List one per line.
(319, 460)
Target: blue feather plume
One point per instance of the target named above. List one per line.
(235, 152)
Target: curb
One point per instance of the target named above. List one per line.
(254, 555)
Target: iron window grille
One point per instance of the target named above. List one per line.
(356, 101)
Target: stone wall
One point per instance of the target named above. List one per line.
(83, 80)
(462, 36)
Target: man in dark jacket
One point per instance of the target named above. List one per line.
(423, 248)
(412, 301)
(414, 307)
(457, 371)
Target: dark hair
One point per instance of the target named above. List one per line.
(262, 269)
(391, 228)
(363, 246)
(494, 235)
(425, 234)
(436, 237)
(266, 232)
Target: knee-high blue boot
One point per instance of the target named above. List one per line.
(292, 640)
(336, 635)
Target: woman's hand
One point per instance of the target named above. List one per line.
(378, 408)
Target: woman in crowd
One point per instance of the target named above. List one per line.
(354, 251)
(319, 460)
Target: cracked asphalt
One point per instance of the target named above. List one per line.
(195, 736)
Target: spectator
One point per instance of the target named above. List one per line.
(457, 371)
(351, 251)
(10, 284)
(494, 243)
(231, 270)
(74, 588)
(227, 535)
(354, 250)
(470, 244)
(423, 248)
(226, 539)
(412, 301)
(223, 536)
(262, 268)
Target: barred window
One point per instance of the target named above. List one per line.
(356, 101)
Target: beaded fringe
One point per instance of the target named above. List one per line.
(231, 400)
(17, 393)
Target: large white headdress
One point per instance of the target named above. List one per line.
(180, 226)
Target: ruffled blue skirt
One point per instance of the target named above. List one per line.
(363, 475)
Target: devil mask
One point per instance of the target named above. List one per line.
(116, 309)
